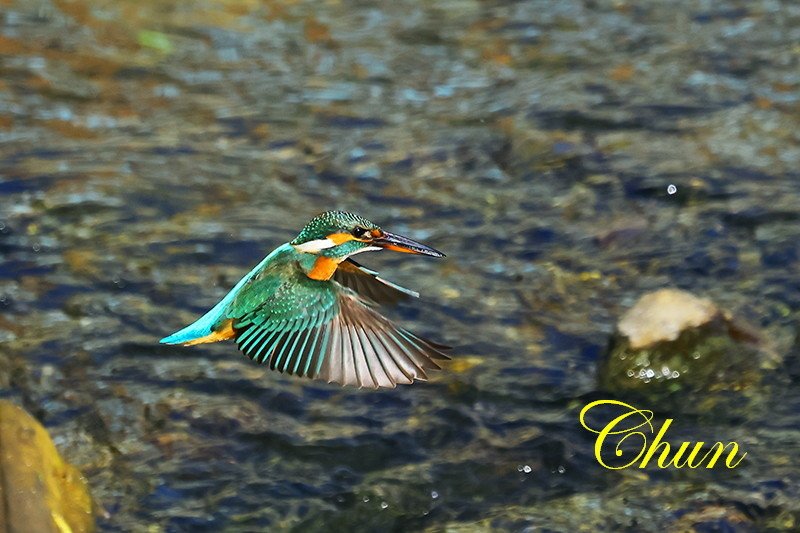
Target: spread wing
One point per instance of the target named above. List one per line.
(322, 330)
(368, 284)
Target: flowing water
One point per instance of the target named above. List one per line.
(152, 152)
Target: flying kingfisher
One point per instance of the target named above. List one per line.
(308, 309)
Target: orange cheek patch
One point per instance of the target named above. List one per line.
(340, 238)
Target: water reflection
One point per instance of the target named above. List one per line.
(152, 152)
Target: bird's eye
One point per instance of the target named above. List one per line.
(359, 232)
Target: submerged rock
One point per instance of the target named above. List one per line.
(41, 491)
(671, 342)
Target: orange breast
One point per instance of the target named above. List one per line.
(323, 269)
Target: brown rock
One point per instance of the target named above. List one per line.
(39, 490)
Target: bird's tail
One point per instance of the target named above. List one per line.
(212, 327)
(201, 328)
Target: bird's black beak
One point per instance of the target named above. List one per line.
(398, 243)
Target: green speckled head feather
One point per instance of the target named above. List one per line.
(330, 222)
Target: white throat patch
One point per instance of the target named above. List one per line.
(315, 246)
(367, 249)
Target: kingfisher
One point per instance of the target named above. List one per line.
(308, 309)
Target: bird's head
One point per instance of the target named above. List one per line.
(339, 234)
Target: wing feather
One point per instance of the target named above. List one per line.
(393, 349)
(398, 368)
(301, 352)
(324, 330)
(368, 284)
(377, 370)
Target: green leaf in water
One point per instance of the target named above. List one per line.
(154, 39)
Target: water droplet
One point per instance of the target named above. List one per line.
(630, 373)
(519, 468)
(366, 499)
(527, 469)
(37, 63)
(384, 505)
(36, 247)
(434, 494)
(675, 374)
(671, 189)
(561, 469)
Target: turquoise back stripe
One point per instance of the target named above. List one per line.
(203, 326)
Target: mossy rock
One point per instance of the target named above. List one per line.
(674, 346)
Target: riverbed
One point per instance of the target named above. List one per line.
(151, 153)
